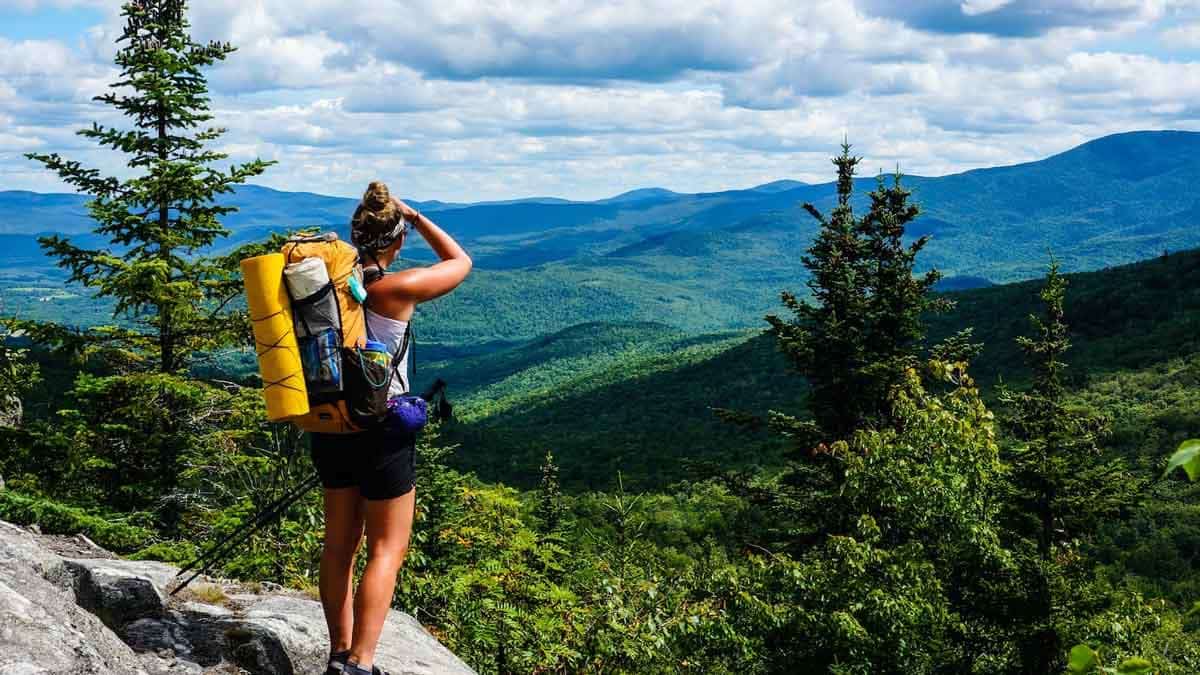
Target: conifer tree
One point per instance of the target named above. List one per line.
(888, 470)
(550, 507)
(128, 437)
(855, 341)
(158, 222)
(864, 326)
(1062, 487)
(826, 341)
(898, 300)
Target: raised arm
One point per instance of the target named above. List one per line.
(426, 283)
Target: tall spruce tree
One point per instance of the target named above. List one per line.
(898, 300)
(864, 326)
(888, 471)
(1062, 486)
(855, 341)
(826, 342)
(159, 221)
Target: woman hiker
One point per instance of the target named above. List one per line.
(368, 476)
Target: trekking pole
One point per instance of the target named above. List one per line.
(261, 519)
(218, 551)
(265, 513)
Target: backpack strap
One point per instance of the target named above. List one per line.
(370, 274)
(369, 277)
(400, 355)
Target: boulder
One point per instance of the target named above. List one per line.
(42, 630)
(296, 627)
(102, 615)
(120, 591)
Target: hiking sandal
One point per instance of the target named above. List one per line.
(337, 662)
(354, 669)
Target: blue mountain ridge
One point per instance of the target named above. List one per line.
(1112, 200)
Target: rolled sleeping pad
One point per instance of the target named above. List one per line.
(306, 277)
(275, 337)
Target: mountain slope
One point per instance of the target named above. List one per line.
(713, 261)
(647, 413)
(1114, 199)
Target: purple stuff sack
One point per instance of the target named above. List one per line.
(406, 413)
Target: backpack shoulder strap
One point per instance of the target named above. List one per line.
(371, 273)
(393, 372)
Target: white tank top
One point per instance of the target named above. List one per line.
(390, 332)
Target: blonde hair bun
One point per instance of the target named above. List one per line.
(377, 220)
(377, 197)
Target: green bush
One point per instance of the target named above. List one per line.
(55, 518)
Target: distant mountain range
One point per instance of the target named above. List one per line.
(719, 259)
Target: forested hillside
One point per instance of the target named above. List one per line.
(1123, 320)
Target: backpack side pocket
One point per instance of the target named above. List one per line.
(319, 335)
(366, 388)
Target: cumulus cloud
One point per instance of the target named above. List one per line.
(1130, 76)
(1016, 18)
(44, 70)
(384, 89)
(32, 5)
(578, 98)
(573, 40)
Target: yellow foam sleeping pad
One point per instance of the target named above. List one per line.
(275, 337)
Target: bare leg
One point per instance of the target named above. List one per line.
(389, 526)
(343, 533)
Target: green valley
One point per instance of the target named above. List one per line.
(928, 425)
(634, 387)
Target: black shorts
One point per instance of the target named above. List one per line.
(380, 463)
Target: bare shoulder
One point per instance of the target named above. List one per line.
(387, 300)
(418, 284)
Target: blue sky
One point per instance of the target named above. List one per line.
(469, 101)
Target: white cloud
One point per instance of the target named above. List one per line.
(464, 100)
(1184, 36)
(1020, 18)
(48, 71)
(973, 7)
(32, 5)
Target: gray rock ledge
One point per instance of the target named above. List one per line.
(84, 616)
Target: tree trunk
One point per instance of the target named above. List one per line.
(166, 340)
(1047, 637)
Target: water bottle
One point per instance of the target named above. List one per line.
(377, 352)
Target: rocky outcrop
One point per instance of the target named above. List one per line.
(42, 629)
(61, 613)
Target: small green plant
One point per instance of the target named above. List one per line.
(1186, 457)
(58, 518)
(1084, 659)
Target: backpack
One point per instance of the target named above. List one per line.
(347, 392)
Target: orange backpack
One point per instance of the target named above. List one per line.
(331, 323)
